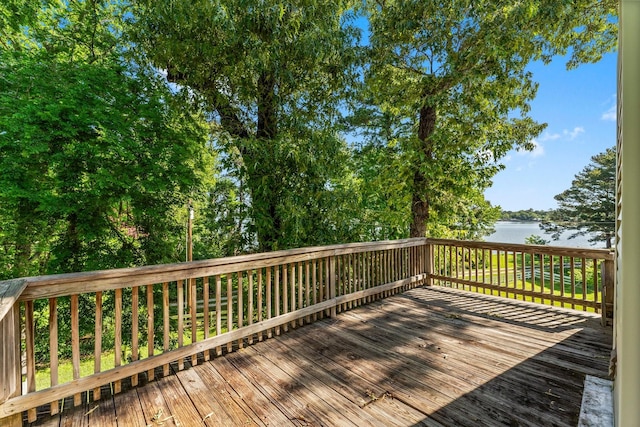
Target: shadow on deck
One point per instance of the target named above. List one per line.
(430, 357)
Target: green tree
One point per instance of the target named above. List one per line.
(457, 74)
(273, 76)
(588, 206)
(96, 155)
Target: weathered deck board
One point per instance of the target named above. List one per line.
(431, 356)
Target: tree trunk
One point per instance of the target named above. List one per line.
(420, 197)
(264, 194)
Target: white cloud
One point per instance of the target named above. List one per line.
(549, 136)
(573, 134)
(538, 150)
(610, 114)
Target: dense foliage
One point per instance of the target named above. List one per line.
(331, 121)
(524, 215)
(96, 155)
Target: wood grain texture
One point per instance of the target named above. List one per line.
(431, 356)
(64, 284)
(10, 291)
(336, 278)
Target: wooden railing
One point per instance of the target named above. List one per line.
(120, 324)
(68, 335)
(567, 277)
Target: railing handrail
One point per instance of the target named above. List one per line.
(58, 285)
(605, 254)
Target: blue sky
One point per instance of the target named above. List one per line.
(579, 108)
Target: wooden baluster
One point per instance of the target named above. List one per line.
(250, 303)
(572, 265)
(522, 267)
(449, 270)
(491, 270)
(596, 271)
(357, 276)
(193, 309)
(260, 301)
(150, 329)
(365, 277)
(498, 271)
(344, 279)
(180, 292)
(484, 270)
(300, 292)
(337, 281)
(413, 261)
(30, 354)
(515, 273)
(269, 300)
(276, 296)
(368, 274)
(348, 283)
(476, 266)
(331, 272)
(134, 331)
(75, 345)
(321, 284)
(316, 285)
(292, 283)
(229, 308)
(285, 293)
(348, 275)
(389, 268)
(97, 348)
(166, 324)
(506, 272)
(53, 351)
(240, 305)
(584, 282)
(118, 336)
(562, 291)
(206, 315)
(458, 265)
(218, 281)
(307, 286)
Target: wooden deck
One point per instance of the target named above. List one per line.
(431, 356)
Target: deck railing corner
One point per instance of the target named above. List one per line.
(10, 363)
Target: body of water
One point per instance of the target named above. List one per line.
(517, 232)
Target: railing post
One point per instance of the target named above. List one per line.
(608, 281)
(10, 366)
(428, 262)
(332, 283)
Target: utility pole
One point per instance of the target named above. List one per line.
(190, 253)
(190, 233)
